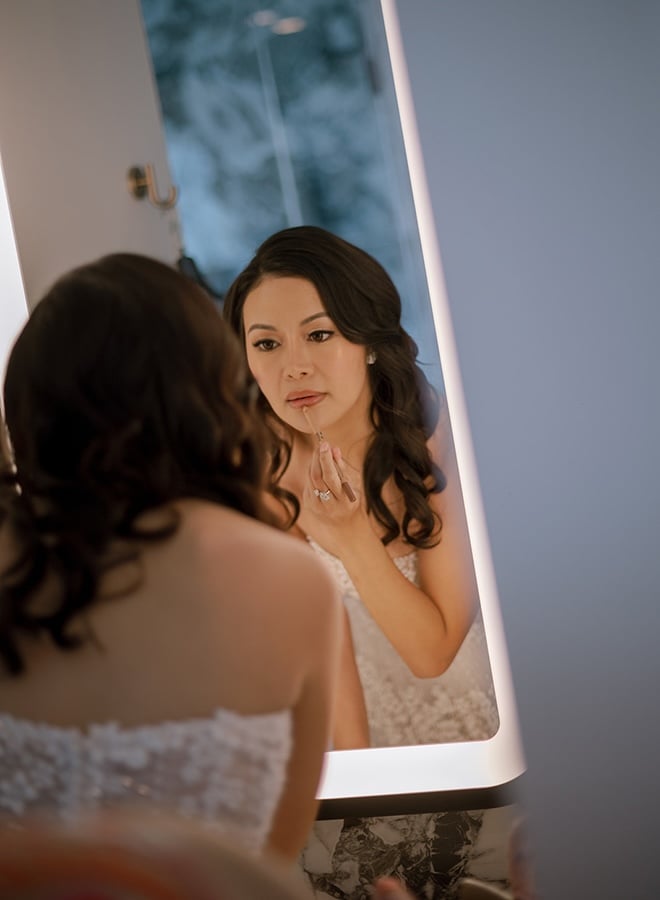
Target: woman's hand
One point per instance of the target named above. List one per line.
(332, 499)
(390, 889)
(328, 471)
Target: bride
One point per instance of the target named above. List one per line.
(164, 647)
(372, 478)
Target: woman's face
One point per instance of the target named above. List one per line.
(300, 359)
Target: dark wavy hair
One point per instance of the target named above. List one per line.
(361, 299)
(124, 392)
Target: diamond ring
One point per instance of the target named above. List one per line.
(323, 495)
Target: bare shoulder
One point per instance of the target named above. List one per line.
(214, 529)
(449, 503)
(239, 552)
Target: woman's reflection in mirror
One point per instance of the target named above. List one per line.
(373, 486)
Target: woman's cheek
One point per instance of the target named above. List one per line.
(255, 370)
(262, 384)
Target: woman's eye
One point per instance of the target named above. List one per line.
(265, 344)
(320, 335)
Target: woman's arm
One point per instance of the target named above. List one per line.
(351, 729)
(426, 624)
(319, 624)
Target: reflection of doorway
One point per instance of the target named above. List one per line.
(279, 116)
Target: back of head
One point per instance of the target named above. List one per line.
(126, 373)
(125, 391)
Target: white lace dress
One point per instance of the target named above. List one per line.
(401, 708)
(228, 770)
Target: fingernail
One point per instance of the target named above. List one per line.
(324, 446)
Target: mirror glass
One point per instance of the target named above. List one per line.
(281, 116)
(289, 115)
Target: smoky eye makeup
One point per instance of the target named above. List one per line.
(320, 335)
(265, 344)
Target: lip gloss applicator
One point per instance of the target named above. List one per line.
(345, 484)
(308, 418)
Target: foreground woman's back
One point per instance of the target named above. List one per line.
(203, 679)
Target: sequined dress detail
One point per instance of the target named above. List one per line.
(228, 770)
(401, 708)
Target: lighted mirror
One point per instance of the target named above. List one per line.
(300, 113)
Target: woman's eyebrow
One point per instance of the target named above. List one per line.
(318, 315)
(305, 321)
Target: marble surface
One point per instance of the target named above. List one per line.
(430, 852)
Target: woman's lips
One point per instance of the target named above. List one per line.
(297, 401)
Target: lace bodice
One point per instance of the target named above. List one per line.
(403, 709)
(228, 770)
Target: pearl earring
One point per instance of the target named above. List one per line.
(371, 358)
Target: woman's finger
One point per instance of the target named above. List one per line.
(315, 472)
(319, 489)
(329, 471)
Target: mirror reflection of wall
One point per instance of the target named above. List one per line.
(279, 116)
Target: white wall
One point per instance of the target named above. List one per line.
(540, 127)
(78, 107)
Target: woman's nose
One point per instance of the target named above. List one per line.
(298, 365)
(296, 370)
